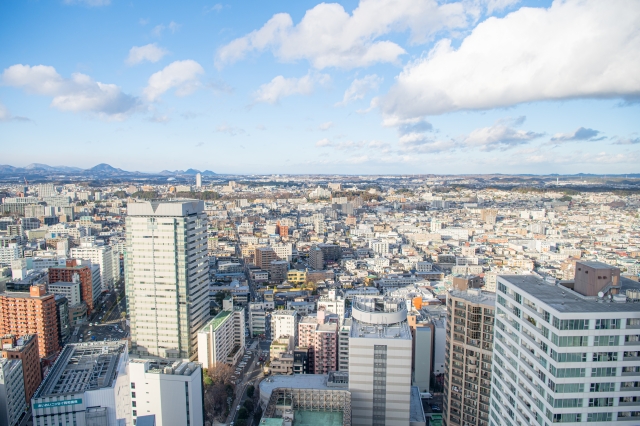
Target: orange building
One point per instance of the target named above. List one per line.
(66, 274)
(24, 348)
(22, 314)
(283, 230)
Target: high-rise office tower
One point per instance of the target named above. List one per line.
(567, 353)
(198, 180)
(380, 362)
(467, 382)
(167, 277)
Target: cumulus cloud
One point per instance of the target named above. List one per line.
(159, 29)
(498, 136)
(501, 135)
(149, 52)
(573, 49)
(80, 93)
(360, 87)
(281, 87)
(328, 36)
(581, 134)
(181, 75)
(325, 126)
(91, 3)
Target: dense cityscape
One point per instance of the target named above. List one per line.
(310, 213)
(337, 300)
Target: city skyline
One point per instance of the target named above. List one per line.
(368, 87)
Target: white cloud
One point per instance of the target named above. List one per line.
(159, 29)
(627, 141)
(581, 134)
(323, 142)
(325, 126)
(149, 52)
(360, 87)
(281, 87)
(5, 115)
(80, 93)
(230, 130)
(498, 136)
(573, 49)
(215, 8)
(328, 36)
(376, 146)
(91, 3)
(183, 75)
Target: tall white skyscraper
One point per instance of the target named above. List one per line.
(567, 354)
(167, 277)
(198, 180)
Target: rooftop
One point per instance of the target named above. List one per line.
(475, 296)
(216, 321)
(394, 331)
(83, 367)
(563, 299)
(416, 413)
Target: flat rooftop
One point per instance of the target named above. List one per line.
(297, 381)
(416, 412)
(368, 331)
(566, 300)
(83, 367)
(475, 296)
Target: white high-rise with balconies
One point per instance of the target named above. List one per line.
(167, 277)
(567, 353)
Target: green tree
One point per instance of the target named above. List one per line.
(248, 404)
(250, 391)
(243, 413)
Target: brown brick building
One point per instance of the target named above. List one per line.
(84, 275)
(24, 348)
(264, 257)
(22, 314)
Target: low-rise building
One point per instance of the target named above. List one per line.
(87, 385)
(170, 390)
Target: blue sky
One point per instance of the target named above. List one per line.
(356, 87)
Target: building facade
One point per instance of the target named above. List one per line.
(170, 390)
(167, 277)
(379, 362)
(25, 349)
(12, 401)
(468, 361)
(35, 312)
(221, 340)
(567, 356)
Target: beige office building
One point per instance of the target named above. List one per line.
(167, 277)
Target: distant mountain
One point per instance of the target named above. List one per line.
(101, 170)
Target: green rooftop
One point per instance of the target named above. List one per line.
(217, 321)
(315, 418)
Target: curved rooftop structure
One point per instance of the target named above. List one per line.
(379, 310)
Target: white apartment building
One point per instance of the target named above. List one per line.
(8, 253)
(104, 256)
(284, 323)
(69, 290)
(167, 277)
(12, 400)
(379, 247)
(257, 319)
(87, 385)
(566, 354)
(332, 303)
(343, 345)
(380, 348)
(222, 338)
(170, 390)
